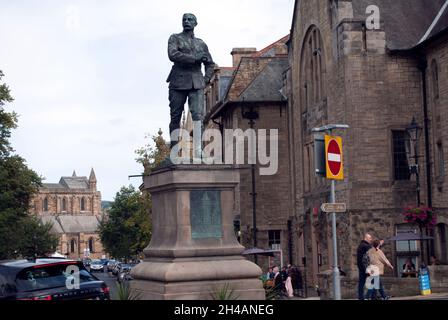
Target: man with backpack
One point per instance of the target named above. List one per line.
(363, 262)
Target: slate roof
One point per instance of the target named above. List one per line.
(75, 224)
(52, 186)
(267, 84)
(270, 51)
(72, 224)
(225, 79)
(76, 183)
(439, 24)
(57, 228)
(406, 21)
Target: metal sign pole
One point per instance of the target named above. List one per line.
(336, 273)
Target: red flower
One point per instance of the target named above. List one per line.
(423, 216)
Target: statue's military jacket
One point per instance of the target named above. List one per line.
(186, 73)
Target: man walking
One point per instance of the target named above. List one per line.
(186, 80)
(361, 255)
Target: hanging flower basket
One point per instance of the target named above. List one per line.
(424, 217)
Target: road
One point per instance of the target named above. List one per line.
(111, 282)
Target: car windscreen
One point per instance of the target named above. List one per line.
(50, 276)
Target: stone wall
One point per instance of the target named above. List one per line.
(273, 196)
(375, 92)
(73, 202)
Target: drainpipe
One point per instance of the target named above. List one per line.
(253, 115)
(290, 245)
(423, 65)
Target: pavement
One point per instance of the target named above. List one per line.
(434, 296)
(111, 282)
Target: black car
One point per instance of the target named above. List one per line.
(49, 279)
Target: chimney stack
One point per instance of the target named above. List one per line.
(238, 53)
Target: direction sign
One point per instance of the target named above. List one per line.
(334, 207)
(333, 158)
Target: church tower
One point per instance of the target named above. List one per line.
(92, 180)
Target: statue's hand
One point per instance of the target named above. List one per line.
(201, 58)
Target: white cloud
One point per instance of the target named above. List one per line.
(89, 76)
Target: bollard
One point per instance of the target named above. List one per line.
(424, 280)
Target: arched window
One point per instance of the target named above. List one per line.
(83, 204)
(312, 70)
(73, 246)
(64, 204)
(91, 245)
(45, 205)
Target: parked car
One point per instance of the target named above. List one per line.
(124, 273)
(96, 266)
(49, 279)
(110, 265)
(87, 262)
(126, 267)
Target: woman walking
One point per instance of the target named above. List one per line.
(378, 260)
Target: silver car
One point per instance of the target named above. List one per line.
(96, 266)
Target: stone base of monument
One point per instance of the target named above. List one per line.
(194, 253)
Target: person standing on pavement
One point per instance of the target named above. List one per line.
(288, 283)
(270, 274)
(378, 259)
(278, 282)
(361, 255)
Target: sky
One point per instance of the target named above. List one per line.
(89, 76)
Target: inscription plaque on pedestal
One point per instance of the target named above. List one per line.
(205, 214)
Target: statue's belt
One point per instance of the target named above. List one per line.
(187, 67)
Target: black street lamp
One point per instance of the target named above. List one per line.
(414, 132)
(252, 114)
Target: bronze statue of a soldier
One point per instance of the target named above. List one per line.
(186, 80)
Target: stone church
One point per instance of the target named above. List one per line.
(73, 207)
(376, 78)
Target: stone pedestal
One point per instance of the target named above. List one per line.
(193, 251)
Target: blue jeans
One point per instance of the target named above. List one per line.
(371, 293)
(361, 284)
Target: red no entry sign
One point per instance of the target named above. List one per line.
(333, 154)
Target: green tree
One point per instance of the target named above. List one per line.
(20, 234)
(8, 120)
(39, 240)
(150, 157)
(127, 230)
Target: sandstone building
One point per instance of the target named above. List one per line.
(376, 81)
(252, 88)
(73, 206)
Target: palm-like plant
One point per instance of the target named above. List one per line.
(224, 293)
(124, 292)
